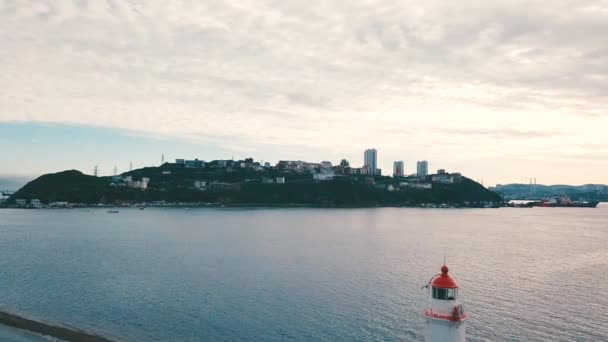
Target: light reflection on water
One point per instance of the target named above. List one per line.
(306, 274)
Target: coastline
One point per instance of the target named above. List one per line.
(263, 206)
(62, 333)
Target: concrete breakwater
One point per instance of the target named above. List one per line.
(58, 332)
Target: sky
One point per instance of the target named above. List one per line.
(500, 91)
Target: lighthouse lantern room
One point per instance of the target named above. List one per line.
(445, 318)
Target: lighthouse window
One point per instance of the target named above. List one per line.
(452, 294)
(445, 294)
(439, 293)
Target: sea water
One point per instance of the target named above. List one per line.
(227, 274)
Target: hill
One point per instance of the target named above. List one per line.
(71, 185)
(243, 186)
(589, 192)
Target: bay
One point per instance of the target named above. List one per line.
(231, 274)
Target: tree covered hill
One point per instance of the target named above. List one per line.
(244, 186)
(71, 185)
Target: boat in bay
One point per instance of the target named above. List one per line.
(564, 202)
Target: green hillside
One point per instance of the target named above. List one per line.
(71, 185)
(245, 187)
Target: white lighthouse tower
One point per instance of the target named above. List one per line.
(445, 318)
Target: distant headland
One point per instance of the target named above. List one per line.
(250, 183)
(535, 192)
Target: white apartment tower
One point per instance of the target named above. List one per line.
(422, 168)
(398, 170)
(370, 161)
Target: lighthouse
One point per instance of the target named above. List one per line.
(445, 317)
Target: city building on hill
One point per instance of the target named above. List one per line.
(370, 161)
(300, 166)
(446, 178)
(323, 171)
(323, 176)
(398, 169)
(326, 165)
(194, 163)
(366, 170)
(218, 186)
(343, 168)
(130, 183)
(200, 185)
(190, 163)
(425, 186)
(443, 178)
(422, 168)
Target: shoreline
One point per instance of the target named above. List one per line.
(62, 333)
(263, 206)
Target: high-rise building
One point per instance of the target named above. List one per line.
(370, 161)
(422, 168)
(398, 170)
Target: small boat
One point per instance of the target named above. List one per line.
(141, 208)
(112, 211)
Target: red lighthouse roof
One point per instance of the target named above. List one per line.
(444, 280)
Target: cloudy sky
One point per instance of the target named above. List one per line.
(501, 91)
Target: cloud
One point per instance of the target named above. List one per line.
(311, 74)
(505, 133)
